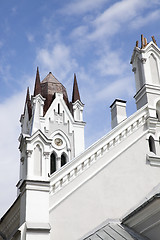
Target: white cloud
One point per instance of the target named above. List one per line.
(110, 63)
(79, 32)
(9, 127)
(144, 20)
(116, 89)
(58, 59)
(83, 6)
(124, 14)
(112, 19)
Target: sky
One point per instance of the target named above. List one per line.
(92, 38)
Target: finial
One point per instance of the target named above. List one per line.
(37, 88)
(136, 43)
(142, 41)
(153, 39)
(145, 41)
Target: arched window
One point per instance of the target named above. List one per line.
(52, 163)
(152, 145)
(63, 160)
(58, 108)
(158, 110)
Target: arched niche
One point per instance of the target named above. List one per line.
(53, 159)
(154, 69)
(37, 160)
(151, 143)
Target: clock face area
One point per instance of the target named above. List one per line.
(58, 142)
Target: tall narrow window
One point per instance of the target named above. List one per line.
(63, 160)
(52, 163)
(158, 110)
(58, 108)
(37, 161)
(152, 145)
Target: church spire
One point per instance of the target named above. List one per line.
(75, 94)
(37, 88)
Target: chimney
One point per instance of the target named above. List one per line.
(118, 112)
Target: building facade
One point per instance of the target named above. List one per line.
(65, 191)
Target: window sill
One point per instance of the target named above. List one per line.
(153, 159)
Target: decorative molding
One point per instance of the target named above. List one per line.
(46, 155)
(96, 151)
(153, 159)
(151, 124)
(143, 60)
(134, 69)
(29, 153)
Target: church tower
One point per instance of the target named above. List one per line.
(52, 134)
(146, 67)
(52, 127)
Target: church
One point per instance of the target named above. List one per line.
(111, 190)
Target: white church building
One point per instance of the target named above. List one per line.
(110, 190)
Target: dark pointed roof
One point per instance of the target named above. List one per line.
(47, 89)
(75, 93)
(50, 78)
(49, 86)
(28, 103)
(37, 87)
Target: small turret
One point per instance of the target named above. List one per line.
(146, 67)
(27, 114)
(76, 102)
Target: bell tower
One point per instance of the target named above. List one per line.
(146, 67)
(51, 127)
(52, 134)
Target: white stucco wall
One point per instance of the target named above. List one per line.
(110, 193)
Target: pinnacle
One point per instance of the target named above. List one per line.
(144, 42)
(75, 94)
(28, 103)
(37, 88)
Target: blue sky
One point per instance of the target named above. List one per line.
(93, 39)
